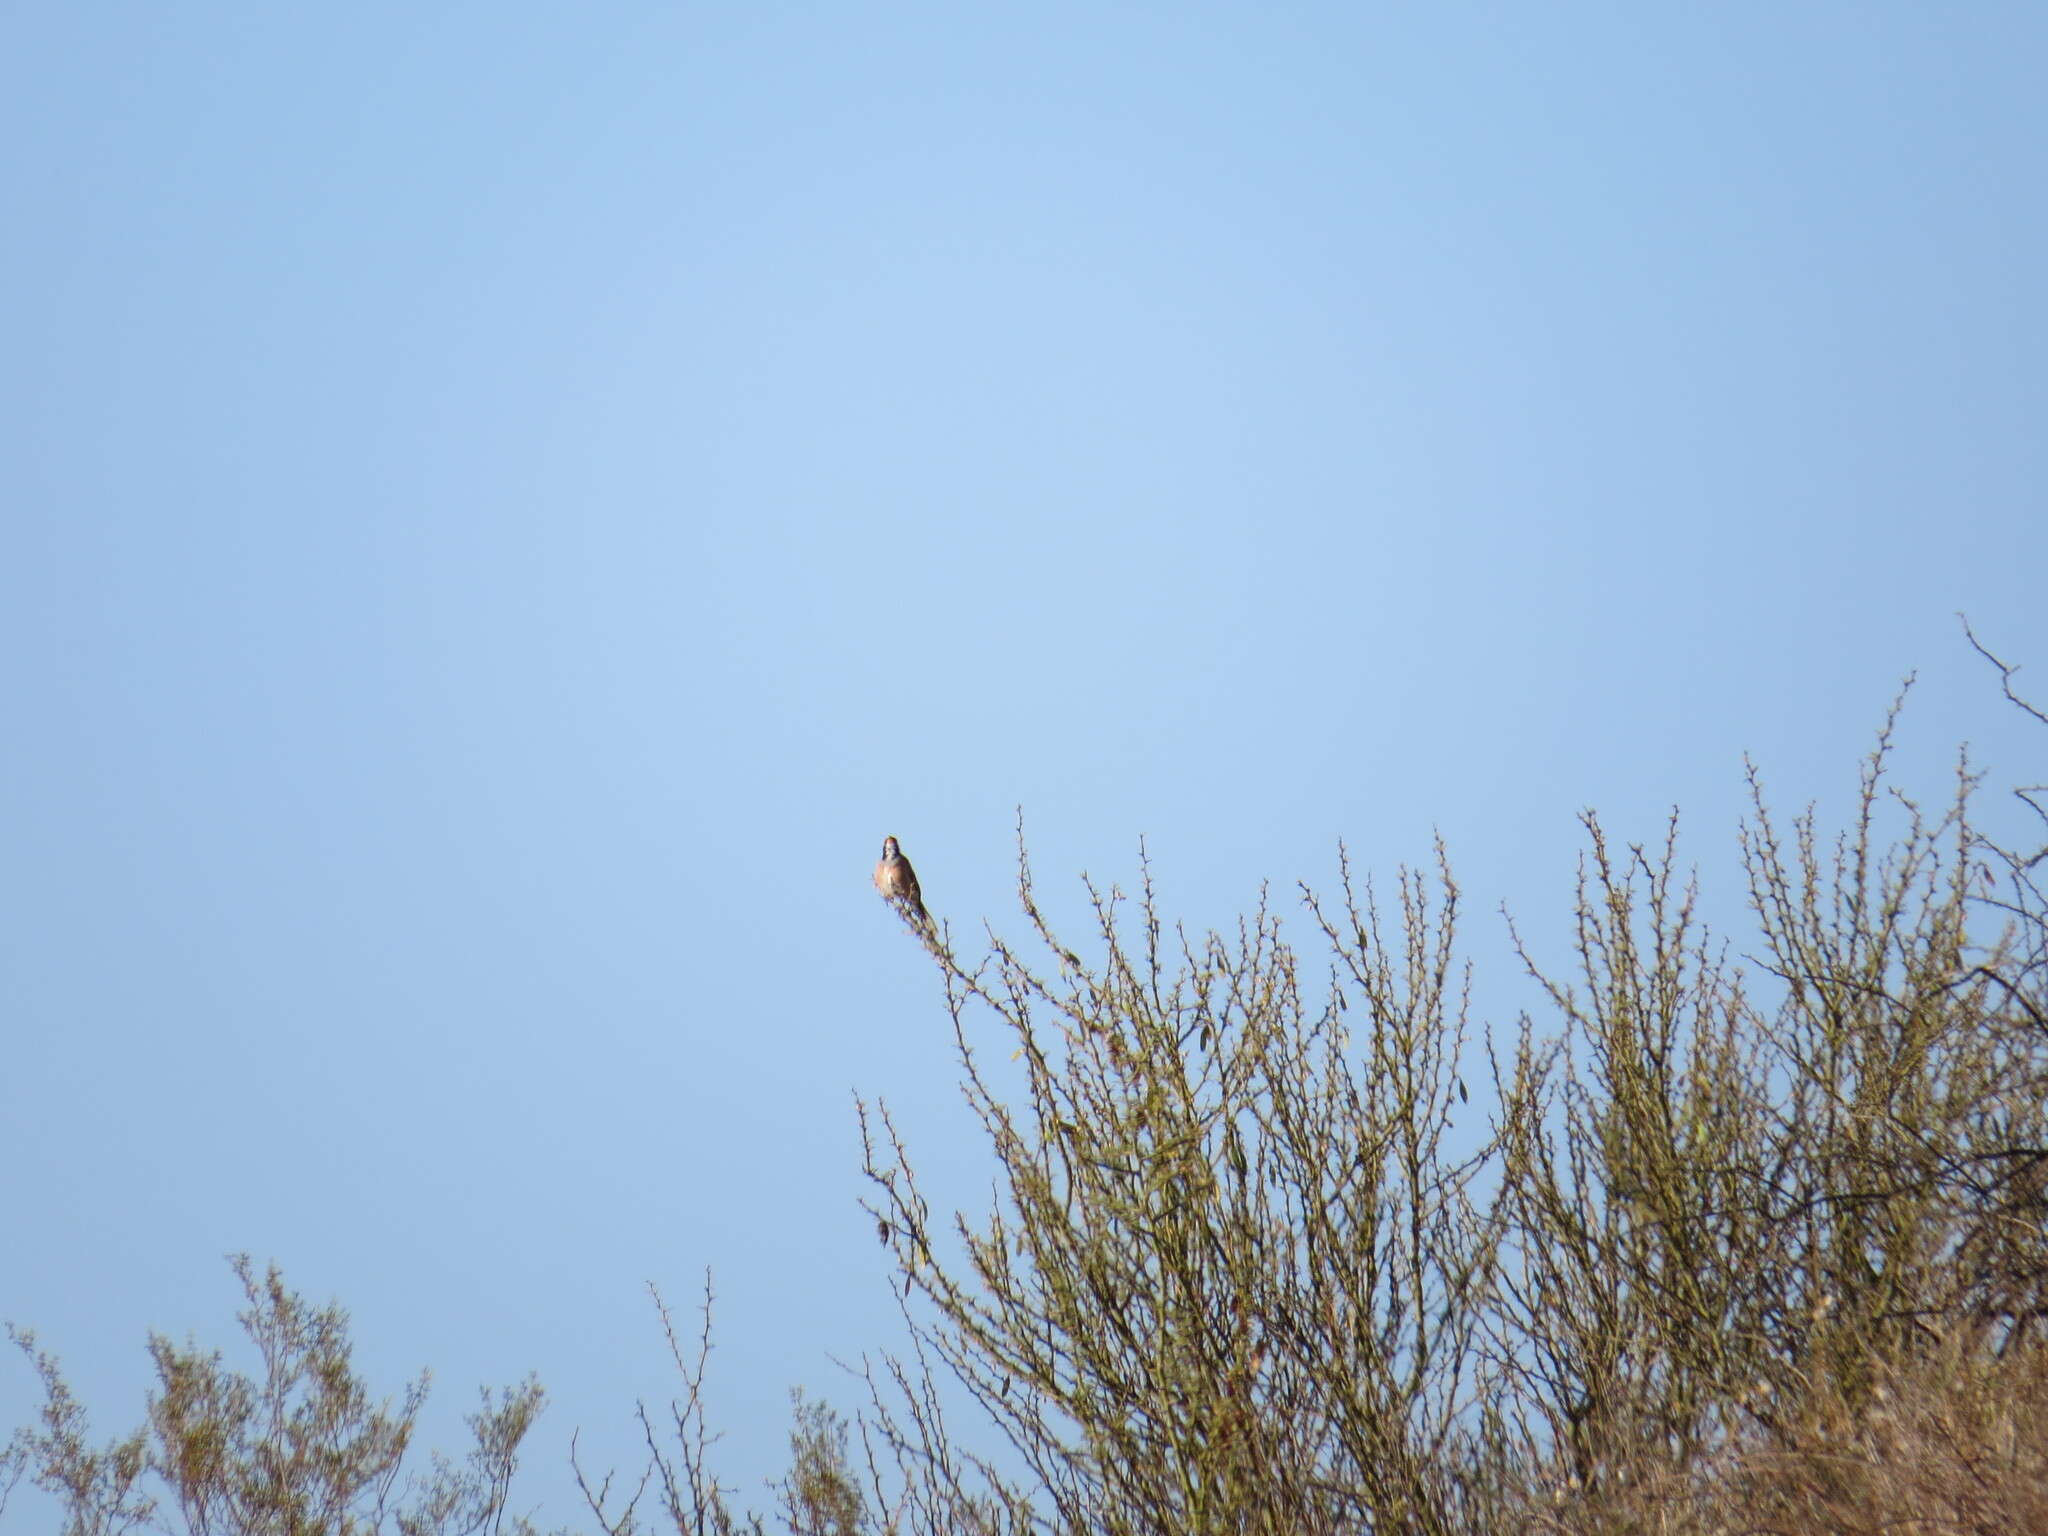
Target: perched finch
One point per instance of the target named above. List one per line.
(897, 881)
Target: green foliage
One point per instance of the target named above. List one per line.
(1736, 1202)
(821, 1496)
(97, 1489)
(301, 1449)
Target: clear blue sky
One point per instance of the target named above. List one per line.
(506, 505)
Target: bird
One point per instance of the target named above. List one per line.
(897, 881)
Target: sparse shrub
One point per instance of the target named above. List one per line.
(301, 1450)
(1241, 1276)
(1232, 1284)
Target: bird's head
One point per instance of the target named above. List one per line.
(889, 849)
